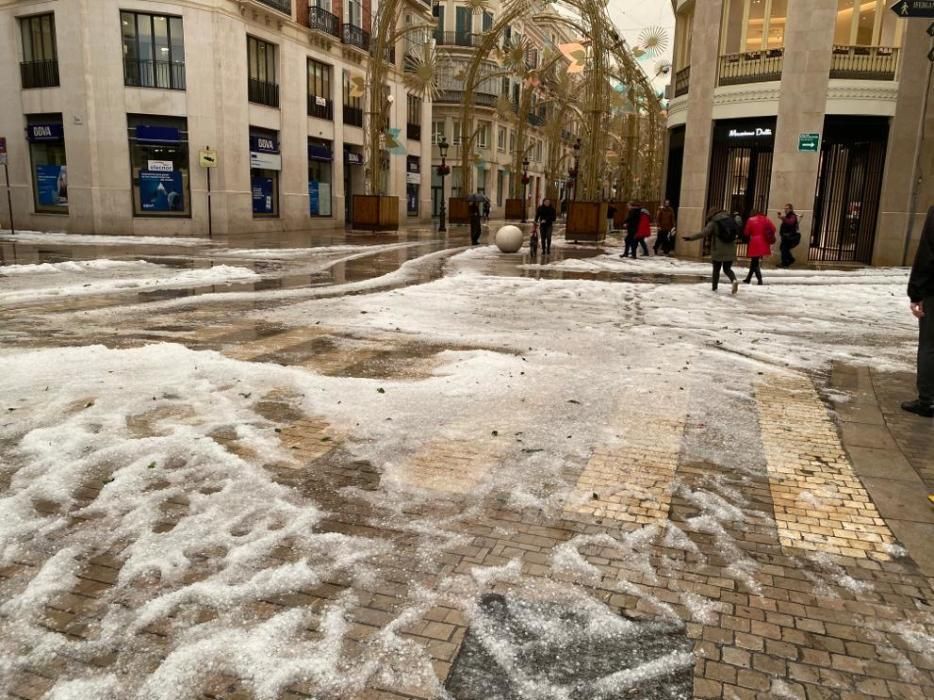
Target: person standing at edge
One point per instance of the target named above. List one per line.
(632, 228)
(921, 293)
(790, 234)
(545, 215)
(723, 232)
(666, 222)
(610, 216)
(475, 227)
(761, 234)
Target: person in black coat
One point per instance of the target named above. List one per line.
(921, 294)
(632, 229)
(545, 216)
(475, 223)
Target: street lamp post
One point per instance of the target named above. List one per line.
(525, 183)
(443, 171)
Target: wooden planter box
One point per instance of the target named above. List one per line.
(515, 210)
(586, 221)
(458, 211)
(375, 212)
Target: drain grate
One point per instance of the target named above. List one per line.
(522, 650)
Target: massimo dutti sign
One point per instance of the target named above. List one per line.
(749, 133)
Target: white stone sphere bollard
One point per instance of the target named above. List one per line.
(509, 239)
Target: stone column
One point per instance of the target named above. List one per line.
(896, 186)
(698, 135)
(808, 52)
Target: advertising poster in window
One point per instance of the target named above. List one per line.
(52, 185)
(161, 191)
(319, 198)
(262, 195)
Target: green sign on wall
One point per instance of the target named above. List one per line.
(808, 143)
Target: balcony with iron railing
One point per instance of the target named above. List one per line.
(864, 63)
(284, 6)
(465, 39)
(536, 119)
(323, 21)
(264, 93)
(356, 36)
(682, 81)
(751, 67)
(39, 74)
(413, 131)
(320, 107)
(457, 97)
(353, 116)
(154, 74)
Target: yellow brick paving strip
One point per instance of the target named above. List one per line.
(452, 466)
(819, 502)
(633, 482)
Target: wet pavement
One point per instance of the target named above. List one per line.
(768, 544)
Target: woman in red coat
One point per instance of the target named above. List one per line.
(644, 231)
(760, 232)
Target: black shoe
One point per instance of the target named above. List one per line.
(919, 408)
(746, 281)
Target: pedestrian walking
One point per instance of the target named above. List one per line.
(790, 234)
(723, 233)
(632, 229)
(760, 232)
(545, 217)
(921, 294)
(475, 222)
(644, 232)
(487, 207)
(610, 217)
(666, 222)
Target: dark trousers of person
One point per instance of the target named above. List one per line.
(645, 248)
(475, 230)
(727, 268)
(787, 257)
(662, 242)
(755, 268)
(630, 245)
(926, 354)
(544, 232)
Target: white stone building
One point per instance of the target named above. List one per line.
(107, 105)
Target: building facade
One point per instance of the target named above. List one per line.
(108, 106)
(497, 146)
(817, 103)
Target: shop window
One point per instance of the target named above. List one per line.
(320, 177)
(866, 23)
(159, 165)
(46, 138)
(265, 165)
(413, 182)
(39, 67)
(153, 51)
(752, 26)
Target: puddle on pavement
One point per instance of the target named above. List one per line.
(515, 646)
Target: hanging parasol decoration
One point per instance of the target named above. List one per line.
(652, 42)
(576, 54)
(357, 85)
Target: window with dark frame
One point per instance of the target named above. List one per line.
(153, 50)
(353, 106)
(263, 87)
(39, 67)
(320, 103)
(413, 117)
